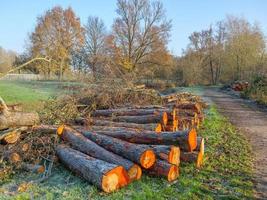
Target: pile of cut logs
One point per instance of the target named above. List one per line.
(113, 147)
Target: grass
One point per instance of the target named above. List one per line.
(226, 174)
(30, 94)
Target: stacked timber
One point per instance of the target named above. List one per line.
(113, 147)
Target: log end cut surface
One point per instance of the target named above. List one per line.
(114, 179)
(158, 128)
(192, 139)
(174, 156)
(147, 159)
(200, 154)
(173, 173)
(60, 130)
(135, 172)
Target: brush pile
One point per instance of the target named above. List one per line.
(112, 147)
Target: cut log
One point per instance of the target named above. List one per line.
(96, 122)
(126, 112)
(12, 157)
(196, 107)
(81, 143)
(143, 119)
(11, 136)
(195, 156)
(136, 153)
(171, 154)
(45, 129)
(106, 176)
(164, 169)
(186, 140)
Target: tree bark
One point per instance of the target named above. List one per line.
(168, 153)
(136, 153)
(81, 143)
(127, 112)
(10, 119)
(106, 123)
(164, 169)
(143, 119)
(186, 140)
(106, 176)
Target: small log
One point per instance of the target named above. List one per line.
(195, 156)
(126, 112)
(143, 119)
(11, 136)
(44, 129)
(186, 140)
(164, 169)
(106, 176)
(81, 143)
(171, 154)
(138, 154)
(12, 157)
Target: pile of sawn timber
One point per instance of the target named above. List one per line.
(113, 147)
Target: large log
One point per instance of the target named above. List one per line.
(81, 143)
(195, 156)
(186, 140)
(169, 153)
(106, 176)
(164, 169)
(127, 112)
(136, 153)
(106, 123)
(143, 119)
(10, 119)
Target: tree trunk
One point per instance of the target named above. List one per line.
(195, 156)
(81, 143)
(127, 112)
(186, 140)
(105, 123)
(143, 119)
(170, 154)
(12, 119)
(107, 128)
(138, 154)
(106, 176)
(164, 169)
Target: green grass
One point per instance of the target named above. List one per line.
(30, 94)
(226, 174)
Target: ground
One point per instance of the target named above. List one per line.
(253, 123)
(226, 174)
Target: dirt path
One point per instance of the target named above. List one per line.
(253, 122)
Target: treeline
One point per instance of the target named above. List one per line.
(135, 46)
(137, 40)
(232, 49)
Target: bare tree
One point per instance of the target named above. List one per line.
(95, 34)
(139, 25)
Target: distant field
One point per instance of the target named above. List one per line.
(31, 93)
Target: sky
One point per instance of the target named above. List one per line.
(18, 17)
